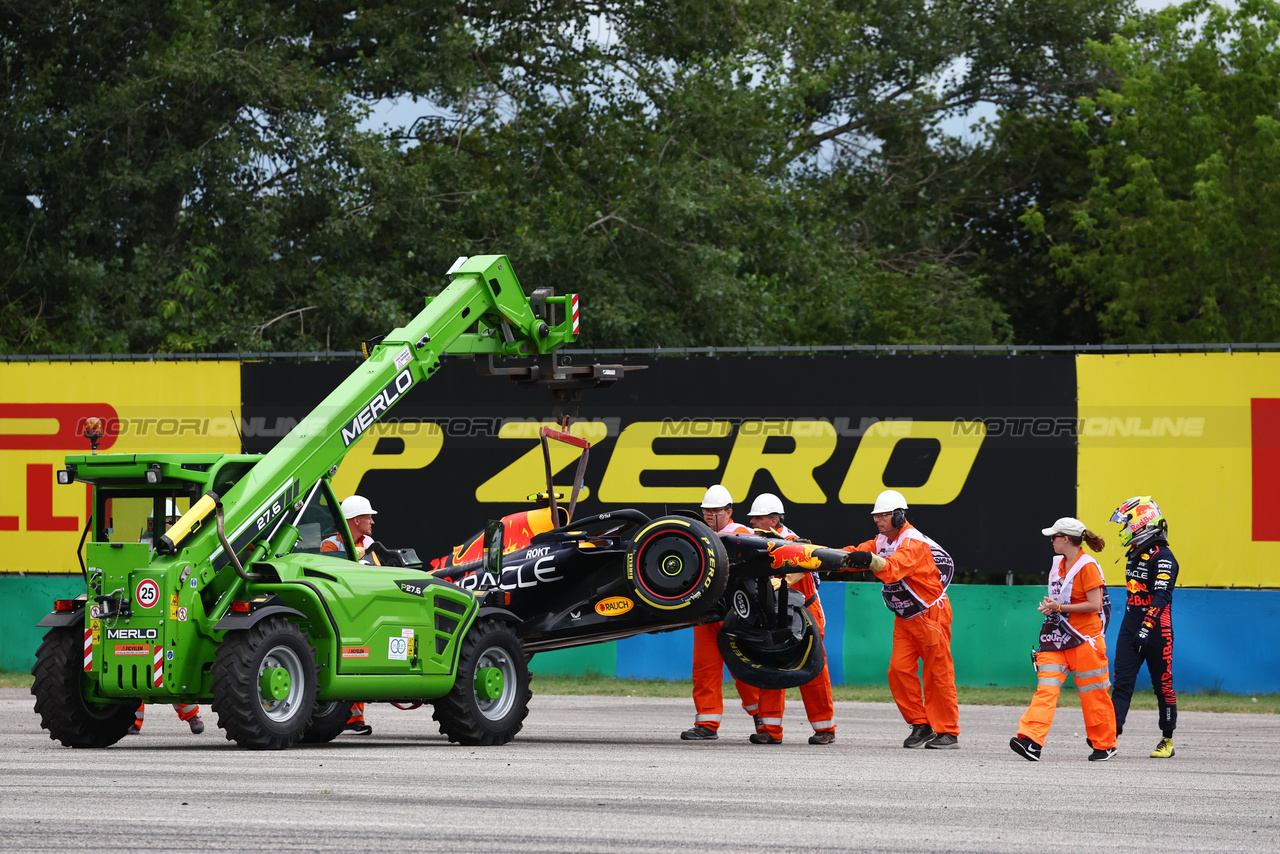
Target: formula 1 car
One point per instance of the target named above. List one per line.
(618, 574)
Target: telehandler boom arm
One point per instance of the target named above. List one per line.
(483, 311)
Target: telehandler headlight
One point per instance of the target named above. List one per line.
(67, 475)
(153, 474)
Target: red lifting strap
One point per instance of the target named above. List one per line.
(564, 436)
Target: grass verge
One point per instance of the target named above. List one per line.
(14, 680)
(608, 686)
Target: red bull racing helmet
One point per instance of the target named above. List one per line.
(1139, 519)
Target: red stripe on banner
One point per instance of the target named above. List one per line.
(70, 418)
(88, 649)
(1266, 469)
(157, 667)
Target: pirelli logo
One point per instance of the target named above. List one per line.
(374, 408)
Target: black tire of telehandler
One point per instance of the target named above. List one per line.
(59, 673)
(466, 718)
(327, 722)
(248, 718)
(677, 566)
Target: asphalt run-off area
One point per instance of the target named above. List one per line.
(609, 774)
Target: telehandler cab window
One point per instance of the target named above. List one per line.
(130, 518)
(318, 521)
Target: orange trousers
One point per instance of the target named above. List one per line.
(819, 705)
(1091, 673)
(925, 638)
(708, 679)
(186, 711)
(357, 714)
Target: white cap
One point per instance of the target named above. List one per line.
(357, 505)
(766, 504)
(717, 496)
(888, 501)
(1068, 525)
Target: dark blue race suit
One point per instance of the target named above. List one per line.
(1150, 575)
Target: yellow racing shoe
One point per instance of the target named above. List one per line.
(1163, 750)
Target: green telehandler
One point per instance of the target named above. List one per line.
(236, 605)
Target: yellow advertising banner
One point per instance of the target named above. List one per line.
(1200, 434)
(159, 407)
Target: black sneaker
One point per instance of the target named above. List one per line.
(1100, 755)
(698, 732)
(943, 741)
(764, 738)
(197, 725)
(825, 736)
(359, 729)
(920, 735)
(1025, 747)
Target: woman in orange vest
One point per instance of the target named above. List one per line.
(1072, 640)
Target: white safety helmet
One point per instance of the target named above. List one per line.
(357, 505)
(716, 497)
(766, 504)
(888, 501)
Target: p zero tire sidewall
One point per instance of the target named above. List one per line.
(676, 565)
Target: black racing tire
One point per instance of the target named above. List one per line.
(781, 658)
(251, 717)
(58, 689)
(327, 721)
(467, 717)
(677, 566)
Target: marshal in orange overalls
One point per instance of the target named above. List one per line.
(914, 588)
(708, 669)
(819, 704)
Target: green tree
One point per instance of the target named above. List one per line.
(194, 175)
(1178, 239)
(189, 175)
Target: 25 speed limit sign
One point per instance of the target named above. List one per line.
(147, 593)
